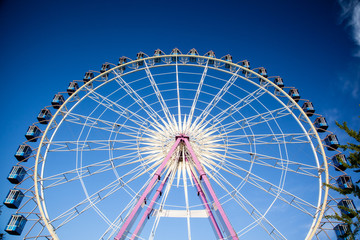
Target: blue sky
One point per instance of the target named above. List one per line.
(313, 45)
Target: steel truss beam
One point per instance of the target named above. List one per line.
(220, 223)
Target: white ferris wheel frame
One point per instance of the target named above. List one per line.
(37, 177)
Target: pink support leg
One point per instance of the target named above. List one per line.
(132, 217)
(207, 207)
(228, 228)
(136, 210)
(148, 210)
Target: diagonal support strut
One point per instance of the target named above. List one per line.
(202, 183)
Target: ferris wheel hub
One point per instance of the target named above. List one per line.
(182, 136)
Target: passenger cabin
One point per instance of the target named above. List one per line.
(14, 198)
(279, 82)
(175, 51)
(88, 76)
(332, 142)
(104, 68)
(122, 61)
(16, 224)
(338, 161)
(73, 86)
(308, 108)
(340, 230)
(210, 54)
(157, 54)
(321, 124)
(228, 58)
(44, 116)
(139, 56)
(193, 52)
(294, 94)
(263, 73)
(32, 133)
(16, 174)
(345, 182)
(348, 204)
(57, 101)
(23, 152)
(245, 64)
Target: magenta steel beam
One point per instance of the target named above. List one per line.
(207, 207)
(228, 228)
(125, 228)
(146, 214)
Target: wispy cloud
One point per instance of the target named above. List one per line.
(351, 87)
(351, 16)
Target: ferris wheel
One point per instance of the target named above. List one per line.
(174, 146)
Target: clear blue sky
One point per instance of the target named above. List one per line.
(46, 44)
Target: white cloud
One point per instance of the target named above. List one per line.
(351, 15)
(350, 87)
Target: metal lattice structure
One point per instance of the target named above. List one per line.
(176, 145)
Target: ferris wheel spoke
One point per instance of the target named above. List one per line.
(101, 195)
(89, 170)
(158, 93)
(272, 189)
(236, 107)
(99, 123)
(196, 98)
(125, 112)
(251, 120)
(272, 162)
(142, 103)
(249, 208)
(178, 96)
(93, 145)
(204, 114)
(260, 139)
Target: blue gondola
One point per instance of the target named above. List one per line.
(73, 86)
(340, 230)
(348, 204)
(16, 174)
(57, 101)
(44, 116)
(157, 54)
(338, 161)
(308, 108)
(14, 198)
(16, 225)
(139, 56)
(122, 61)
(193, 52)
(331, 142)
(245, 64)
(279, 82)
(33, 133)
(263, 73)
(23, 152)
(294, 94)
(105, 67)
(228, 58)
(210, 54)
(88, 76)
(175, 51)
(321, 124)
(345, 182)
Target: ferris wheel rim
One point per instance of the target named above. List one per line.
(41, 202)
